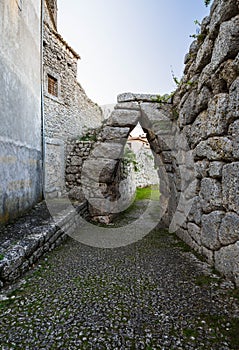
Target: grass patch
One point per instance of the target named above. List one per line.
(5, 303)
(188, 332)
(234, 333)
(1, 257)
(151, 192)
(205, 280)
(234, 293)
(183, 246)
(231, 333)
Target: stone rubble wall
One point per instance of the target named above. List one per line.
(19, 256)
(207, 104)
(76, 153)
(127, 182)
(146, 174)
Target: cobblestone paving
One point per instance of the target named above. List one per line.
(154, 294)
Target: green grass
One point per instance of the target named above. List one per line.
(216, 321)
(1, 257)
(205, 280)
(150, 192)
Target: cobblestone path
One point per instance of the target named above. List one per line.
(154, 294)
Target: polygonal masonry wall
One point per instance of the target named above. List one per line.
(199, 199)
(195, 143)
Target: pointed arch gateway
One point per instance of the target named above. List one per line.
(100, 178)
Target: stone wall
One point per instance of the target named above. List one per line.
(195, 138)
(207, 103)
(76, 153)
(146, 174)
(67, 111)
(20, 114)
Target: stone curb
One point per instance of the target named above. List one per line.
(24, 253)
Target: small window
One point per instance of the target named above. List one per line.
(52, 86)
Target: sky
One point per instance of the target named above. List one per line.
(129, 45)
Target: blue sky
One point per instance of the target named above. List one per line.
(129, 45)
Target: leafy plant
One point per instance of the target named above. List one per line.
(88, 137)
(207, 2)
(130, 158)
(162, 98)
(199, 36)
(88, 134)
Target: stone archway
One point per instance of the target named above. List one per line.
(101, 177)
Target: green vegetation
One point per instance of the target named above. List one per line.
(130, 158)
(151, 192)
(230, 331)
(88, 137)
(207, 2)
(199, 36)
(163, 98)
(205, 280)
(1, 257)
(188, 332)
(89, 134)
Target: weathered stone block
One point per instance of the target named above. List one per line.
(70, 177)
(128, 105)
(229, 229)
(201, 168)
(195, 232)
(12, 260)
(203, 98)
(184, 235)
(234, 132)
(204, 54)
(208, 254)
(126, 97)
(211, 195)
(215, 148)
(195, 213)
(124, 117)
(226, 261)
(221, 11)
(76, 194)
(227, 42)
(108, 150)
(72, 169)
(215, 169)
(228, 72)
(76, 161)
(233, 100)
(157, 118)
(99, 170)
(210, 228)
(29, 245)
(188, 111)
(230, 186)
(115, 133)
(217, 115)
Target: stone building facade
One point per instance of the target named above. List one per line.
(67, 109)
(20, 114)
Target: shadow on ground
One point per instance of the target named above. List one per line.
(153, 294)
